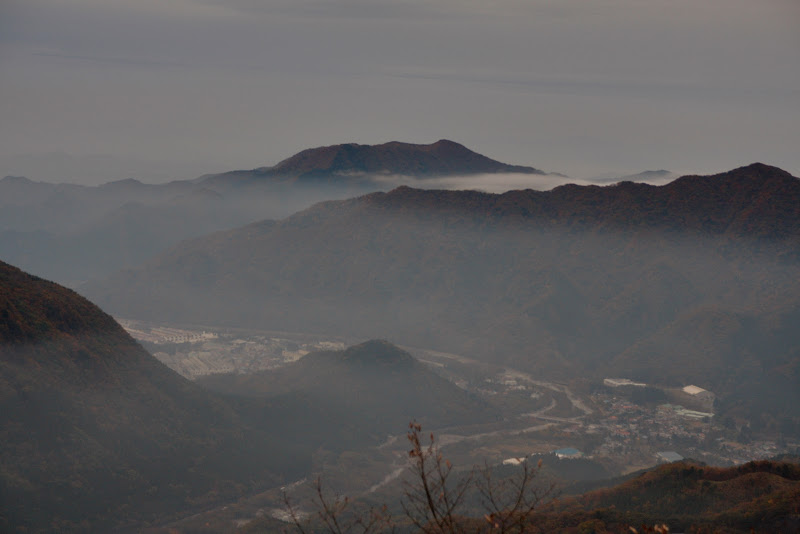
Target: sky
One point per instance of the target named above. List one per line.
(99, 90)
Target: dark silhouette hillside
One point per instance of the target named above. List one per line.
(688, 497)
(96, 434)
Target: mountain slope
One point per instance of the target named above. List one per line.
(96, 434)
(375, 383)
(688, 497)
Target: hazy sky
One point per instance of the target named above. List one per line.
(96, 90)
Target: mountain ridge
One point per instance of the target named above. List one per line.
(688, 496)
(752, 193)
(544, 281)
(71, 233)
(442, 158)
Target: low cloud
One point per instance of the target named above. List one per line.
(502, 182)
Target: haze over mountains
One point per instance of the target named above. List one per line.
(691, 282)
(352, 161)
(72, 233)
(331, 218)
(96, 434)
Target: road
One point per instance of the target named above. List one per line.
(515, 374)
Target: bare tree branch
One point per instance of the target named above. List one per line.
(510, 503)
(335, 515)
(432, 498)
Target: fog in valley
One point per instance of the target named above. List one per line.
(399, 266)
(494, 278)
(623, 323)
(71, 233)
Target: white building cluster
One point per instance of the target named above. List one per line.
(617, 382)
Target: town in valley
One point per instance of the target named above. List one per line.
(617, 423)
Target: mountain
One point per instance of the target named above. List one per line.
(72, 233)
(658, 177)
(645, 176)
(576, 281)
(97, 435)
(377, 384)
(442, 158)
(122, 236)
(370, 167)
(687, 497)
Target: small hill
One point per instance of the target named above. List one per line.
(376, 384)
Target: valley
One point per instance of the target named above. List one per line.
(583, 430)
(690, 283)
(399, 267)
(594, 331)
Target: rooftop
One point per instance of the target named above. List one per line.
(693, 390)
(568, 452)
(669, 456)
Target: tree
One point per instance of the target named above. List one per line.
(335, 515)
(511, 502)
(433, 498)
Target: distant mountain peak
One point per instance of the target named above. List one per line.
(444, 157)
(127, 182)
(748, 178)
(761, 169)
(16, 179)
(649, 175)
(658, 176)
